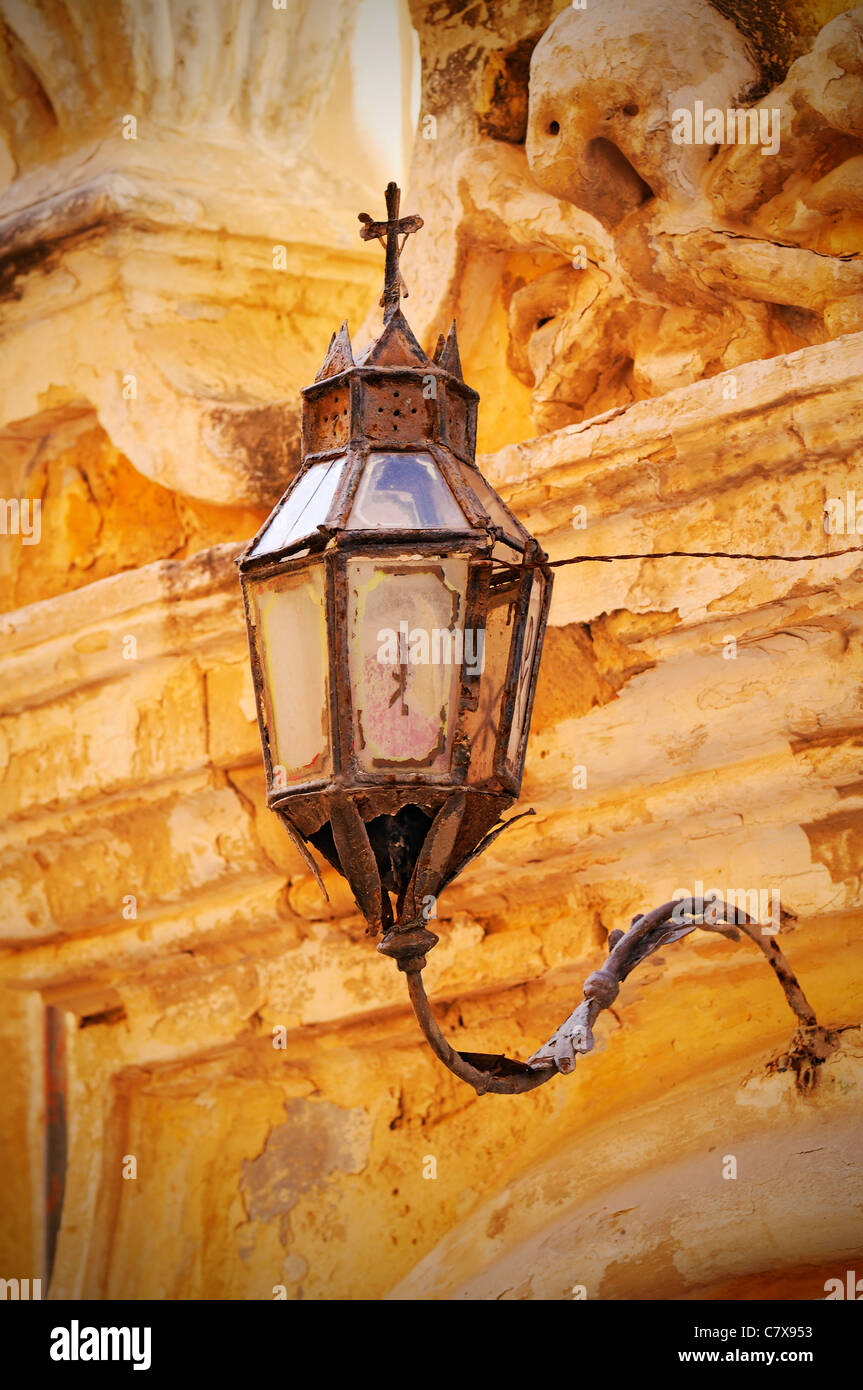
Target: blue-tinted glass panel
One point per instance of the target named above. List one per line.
(404, 491)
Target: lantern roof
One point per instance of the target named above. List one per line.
(397, 455)
(396, 347)
(389, 442)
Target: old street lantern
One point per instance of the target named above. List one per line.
(396, 611)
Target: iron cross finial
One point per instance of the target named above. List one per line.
(388, 233)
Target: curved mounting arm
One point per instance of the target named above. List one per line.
(498, 1074)
(649, 931)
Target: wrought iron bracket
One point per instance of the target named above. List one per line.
(810, 1043)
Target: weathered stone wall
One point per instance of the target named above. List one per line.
(676, 369)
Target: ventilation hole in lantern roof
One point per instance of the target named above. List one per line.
(396, 394)
(396, 412)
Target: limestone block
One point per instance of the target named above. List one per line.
(179, 184)
(683, 259)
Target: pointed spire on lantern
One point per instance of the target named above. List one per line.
(396, 347)
(339, 356)
(446, 353)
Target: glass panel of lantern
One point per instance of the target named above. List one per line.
(288, 614)
(305, 508)
(518, 733)
(404, 491)
(497, 510)
(482, 725)
(406, 646)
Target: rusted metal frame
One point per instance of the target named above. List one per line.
(476, 611)
(274, 561)
(320, 390)
(295, 802)
(467, 501)
(332, 628)
(363, 781)
(507, 779)
(257, 680)
(469, 394)
(325, 456)
(525, 538)
(483, 845)
(422, 540)
(273, 566)
(434, 856)
(357, 858)
(504, 594)
(376, 380)
(368, 372)
(276, 799)
(341, 671)
(440, 413)
(304, 852)
(471, 419)
(453, 386)
(439, 427)
(327, 384)
(405, 546)
(357, 438)
(354, 469)
(521, 747)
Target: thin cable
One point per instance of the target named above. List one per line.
(701, 555)
(673, 555)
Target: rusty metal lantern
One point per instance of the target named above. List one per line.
(396, 611)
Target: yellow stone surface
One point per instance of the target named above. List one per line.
(691, 382)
